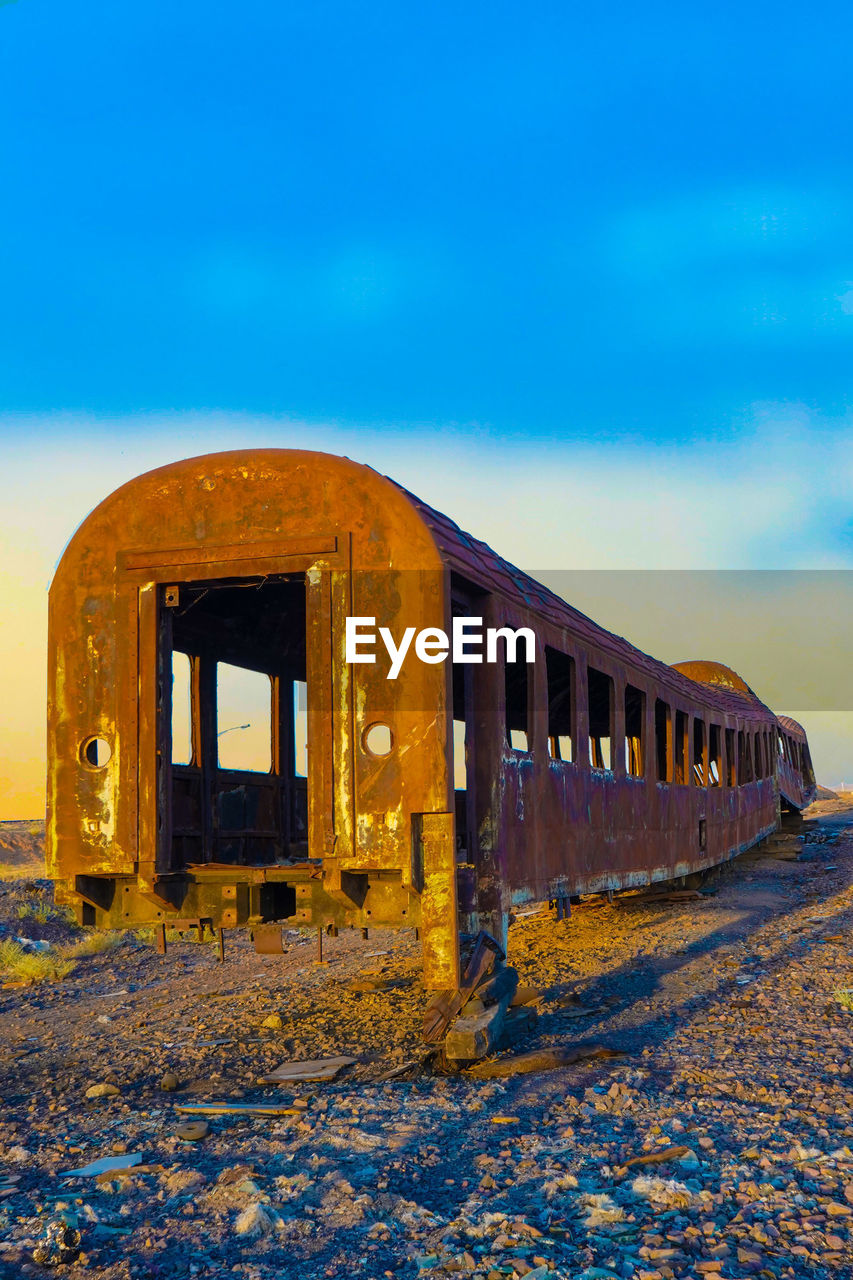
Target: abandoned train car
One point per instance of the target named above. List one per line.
(439, 799)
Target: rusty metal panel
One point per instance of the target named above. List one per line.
(381, 827)
(148, 792)
(434, 833)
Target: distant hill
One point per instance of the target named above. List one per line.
(22, 844)
(824, 793)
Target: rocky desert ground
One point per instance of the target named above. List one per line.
(700, 1122)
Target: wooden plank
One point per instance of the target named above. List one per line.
(313, 1069)
(473, 1037)
(445, 1005)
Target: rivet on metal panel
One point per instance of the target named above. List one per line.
(172, 597)
(229, 917)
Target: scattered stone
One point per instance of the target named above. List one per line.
(182, 1181)
(254, 1221)
(169, 1082)
(102, 1091)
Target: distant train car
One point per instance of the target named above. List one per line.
(441, 798)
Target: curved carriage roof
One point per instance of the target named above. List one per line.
(475, 560)
(793, 727)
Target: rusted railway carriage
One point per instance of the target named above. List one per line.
(439, 799)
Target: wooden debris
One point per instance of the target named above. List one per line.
(395, 1072)
(445, 1005)
(657, 1157)
(540, 1060)
(502, 984)
(302, 1072)
(238, 1109)
(581, 1011)
(518, 1023)
(473, 1037)
(365, 985)
(106, 1164)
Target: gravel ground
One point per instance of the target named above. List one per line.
(718, 1141)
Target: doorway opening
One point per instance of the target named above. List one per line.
(233, 722)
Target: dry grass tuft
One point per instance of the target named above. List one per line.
(21, 871)
(32, 966)
(148, 934)
(41, 912)
(92, 944)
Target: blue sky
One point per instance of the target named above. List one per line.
(580, 276)
(548, 220)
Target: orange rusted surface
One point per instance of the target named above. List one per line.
(255, 559)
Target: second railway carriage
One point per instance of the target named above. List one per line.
(439, 799)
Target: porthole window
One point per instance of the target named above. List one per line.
(96, 752)
(377, 739)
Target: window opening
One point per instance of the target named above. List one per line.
(731, 762)
(560, 671)
(759, 762)
(699, 752)
(460, 767)
(663, 740)
(464, 679)
(635, 714)
(300, 728)
(744, 758)
(243, 719)
(600, 706)
(715, 759)
(516, 691)
(808, 770)
(681, 746)
(96, 752)
(182, 709)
